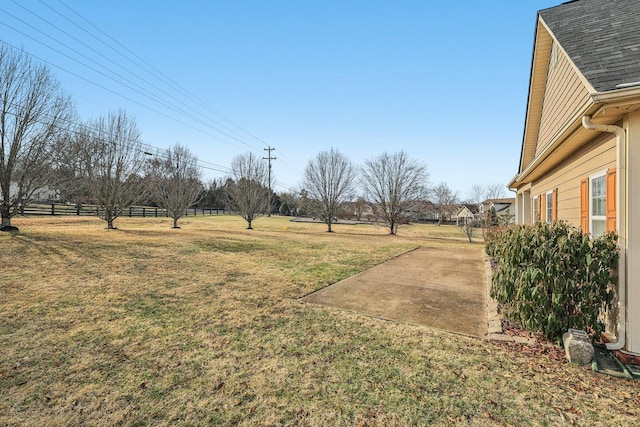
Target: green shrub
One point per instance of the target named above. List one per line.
(551, 277)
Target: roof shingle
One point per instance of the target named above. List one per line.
(602, 38)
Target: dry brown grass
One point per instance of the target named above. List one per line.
(202, 325)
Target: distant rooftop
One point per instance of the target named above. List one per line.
(602, 38)
(511, 200)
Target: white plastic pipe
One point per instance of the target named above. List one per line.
(621, 188)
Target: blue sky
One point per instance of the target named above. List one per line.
(445, 81)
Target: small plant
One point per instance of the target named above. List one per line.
(468, 228)
(551, 277)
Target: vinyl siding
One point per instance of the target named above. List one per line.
(564, 96)
(596, 156)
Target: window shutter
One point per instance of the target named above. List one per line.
(584, 205)
(611, 200)
(554, 206)
(543, 207)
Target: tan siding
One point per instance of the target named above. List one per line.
(564, 95)
(536, 93)
(597, 156)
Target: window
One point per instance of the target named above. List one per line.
(598, 210)
(549, 207)
(597, 204)
(536, 214)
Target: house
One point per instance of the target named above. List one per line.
(45, 193)
(580, 158)
(466, 213)
(423, 211)
(505, 209)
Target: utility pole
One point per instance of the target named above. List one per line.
(269, 158)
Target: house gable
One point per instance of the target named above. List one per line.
(593, 70)
(558, 94)
(565, 95)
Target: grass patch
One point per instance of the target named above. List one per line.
(201, 325)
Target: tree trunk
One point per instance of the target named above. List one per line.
(329, 227)
(249, 225)
(175, 222)
(6, 216)
(109, 218)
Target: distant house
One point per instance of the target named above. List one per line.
(358, 210)
(423, 211)
(580, 158)
(42, 194)
(505, 209)
(468, 212)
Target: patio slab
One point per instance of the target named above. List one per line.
(442, 287)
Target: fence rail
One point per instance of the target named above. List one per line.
(133, 211)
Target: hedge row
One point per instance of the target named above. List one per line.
(551, 277)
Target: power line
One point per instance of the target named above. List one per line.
(131, 57)
(155, 72)
(75, 128)
(134, 87)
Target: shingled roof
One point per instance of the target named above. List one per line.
(602, 38)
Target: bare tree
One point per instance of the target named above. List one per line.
(32, 108)
(111, 158)
(175, 178)
(70, 183)
(329, 180)
(248, 191)
(477, 194)
(394, 183)
(468, 228)
(445, 200)
(495, 191)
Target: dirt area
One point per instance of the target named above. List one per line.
(443, 288)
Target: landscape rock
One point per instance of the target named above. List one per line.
(577, 346)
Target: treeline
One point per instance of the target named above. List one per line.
(48, 153)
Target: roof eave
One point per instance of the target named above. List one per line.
(600, 102)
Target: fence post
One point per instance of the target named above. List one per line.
(144, 212)
(53, 208)
(78, 209)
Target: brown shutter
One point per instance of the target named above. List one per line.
(543, 207)
(611, 199)
(554, 206)
(584, 205)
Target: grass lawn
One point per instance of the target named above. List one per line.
(202, 326)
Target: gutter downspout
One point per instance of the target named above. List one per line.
(621, 188)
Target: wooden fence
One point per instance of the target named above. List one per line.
(133, 211)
